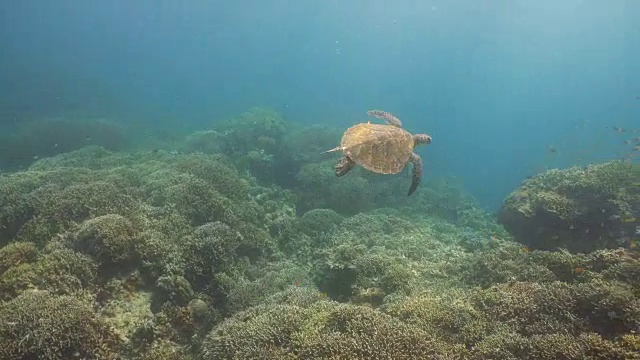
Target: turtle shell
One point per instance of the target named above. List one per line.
(383, 149)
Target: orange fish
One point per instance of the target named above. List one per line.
(579, 270)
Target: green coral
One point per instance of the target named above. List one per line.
(370, 256)
(259, 127)
(578, 208)
(58, 208)
(507, 262)
(111, 239)
(258, 283)
(44, 326)
(307, 144)
(445, 315)
(175, 289)
(17, 253)
(353, 271)
(308, 234)
(252, 140)
(58, 270)
(216, 170)
(359, 191)
(212, 248)
(317, 222)
(206, 141)
(321, 330)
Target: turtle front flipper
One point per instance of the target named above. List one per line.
(416, 174)
(344, 165)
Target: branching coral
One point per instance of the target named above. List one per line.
(322, 330)
(43, 326)
(111, 239)
(58, 270)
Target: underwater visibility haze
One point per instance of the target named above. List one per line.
(169, 188)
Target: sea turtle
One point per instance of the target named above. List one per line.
(381, 148)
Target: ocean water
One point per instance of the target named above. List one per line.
(495, 84)
(506, 89)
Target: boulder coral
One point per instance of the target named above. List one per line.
(579, 208)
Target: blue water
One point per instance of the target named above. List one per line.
(495, 83)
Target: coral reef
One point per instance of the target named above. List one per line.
(320, 330)
(38, 325)
(244, 245)
(580, 208)
(56, 269)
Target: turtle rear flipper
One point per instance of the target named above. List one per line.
(344, 165)
(416, 173)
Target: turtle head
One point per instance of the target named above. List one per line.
(421, 139)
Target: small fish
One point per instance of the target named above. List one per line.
(579, 270)
(618, 129)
